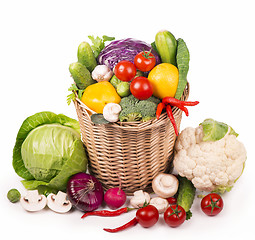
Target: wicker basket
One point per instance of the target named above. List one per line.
(136, 152)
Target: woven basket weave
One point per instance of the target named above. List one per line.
(136, 152)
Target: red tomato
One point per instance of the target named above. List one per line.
(141, 88)
(174, 216)
(145, 61)
(171, 200)
(212, 204)
(125, 71)
(147, 216)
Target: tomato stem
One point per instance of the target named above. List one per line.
(175, 211)
(213, 204)
(147, 55)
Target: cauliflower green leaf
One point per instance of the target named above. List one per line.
(214, 130)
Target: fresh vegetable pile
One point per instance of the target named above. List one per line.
(128, 80)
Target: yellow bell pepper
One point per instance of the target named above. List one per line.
(97, 95)
(164, 79)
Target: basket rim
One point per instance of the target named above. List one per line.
(136, 125)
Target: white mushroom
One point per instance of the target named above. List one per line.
(33, 202)
(140, 198)
(59, 203)
(111, 112)
(160, 203)
(165, 185)
(101, 73)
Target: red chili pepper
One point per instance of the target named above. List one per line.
(160, 108)
(171, 117)
(106, 213)
(188, 103)
(174, 102)
(184, 109)
(131, 223)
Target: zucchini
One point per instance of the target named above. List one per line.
(186, 195)
(182, 59)
(86, 56)
(166, 45)
(81, 75)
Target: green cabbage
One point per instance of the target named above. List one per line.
(48, 150)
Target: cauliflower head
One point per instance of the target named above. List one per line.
(210, 165)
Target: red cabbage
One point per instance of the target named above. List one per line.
(125, 49)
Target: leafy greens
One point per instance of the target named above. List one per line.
(99, 43)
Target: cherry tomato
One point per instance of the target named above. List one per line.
(147, 216)
(174, 216)
(125, 71)
(141, 88)
(172, 200)
(212, 204)
(145, 61)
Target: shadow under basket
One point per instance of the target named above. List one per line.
(135, 152)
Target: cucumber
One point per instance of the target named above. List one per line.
(81, 75)
(86, 56)
(186, 195)
(166, 45)
(182, 58)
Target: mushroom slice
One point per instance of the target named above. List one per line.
(165, 185)
(139, 199)
(160, 203)
(33, 202)
(59, 203)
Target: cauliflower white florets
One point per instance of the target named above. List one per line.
(212, 165)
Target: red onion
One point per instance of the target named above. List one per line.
(85, 192)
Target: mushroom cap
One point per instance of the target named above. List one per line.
(33, 202)
(59, 203)
(165, 185)
(160, 203)
(111, 112)
(140, 197)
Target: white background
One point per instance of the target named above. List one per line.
(39, 40)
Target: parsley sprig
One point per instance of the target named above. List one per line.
(71, 97)
(99, 43)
